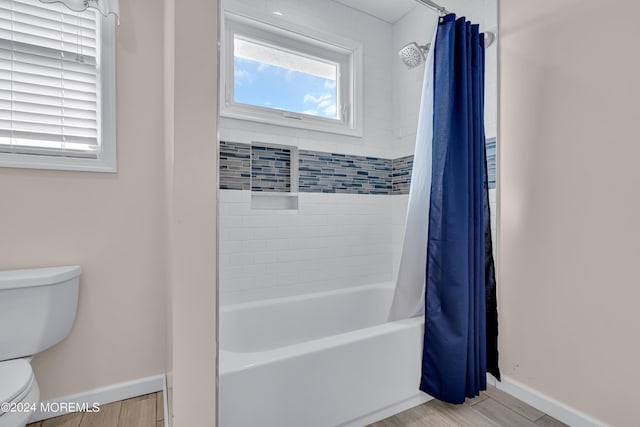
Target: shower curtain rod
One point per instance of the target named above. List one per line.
(434, 5)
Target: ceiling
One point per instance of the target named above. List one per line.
(387, 10)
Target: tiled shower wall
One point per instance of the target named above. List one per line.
(270, 169)
(235, 166)
(352, 232)
(259, 168)
(342, 173)
(332, 241)
(401, 174)
(347, 230)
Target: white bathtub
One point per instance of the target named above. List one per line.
(318, 360)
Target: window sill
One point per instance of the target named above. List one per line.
(339, 128)
(29, 161)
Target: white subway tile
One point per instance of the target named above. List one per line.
(230, 196)
(265, 257)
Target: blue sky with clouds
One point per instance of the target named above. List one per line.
(256, 83)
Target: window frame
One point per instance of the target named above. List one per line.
(346, 53)
(106, 117)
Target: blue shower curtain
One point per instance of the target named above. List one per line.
(459, 345)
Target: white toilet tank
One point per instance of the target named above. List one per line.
(37, 308)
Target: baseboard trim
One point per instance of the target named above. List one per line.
(165, 402)
(389, 411)
(104, 395)
(546, 404)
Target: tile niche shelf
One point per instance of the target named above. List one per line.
(274, 176)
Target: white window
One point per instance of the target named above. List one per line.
(289, 76)
(57, 87)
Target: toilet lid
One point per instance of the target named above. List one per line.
(16, 376)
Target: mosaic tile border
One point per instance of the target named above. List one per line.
(401, 176)
(235, 166)
(321, 172)
(342, 173)
(492, 162)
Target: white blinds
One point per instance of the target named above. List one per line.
(48, 80)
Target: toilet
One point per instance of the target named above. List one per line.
(37, 310)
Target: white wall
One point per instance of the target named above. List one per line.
(332, 18)
(331, 241)
(569, 233)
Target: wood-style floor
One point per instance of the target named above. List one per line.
(492, 408)
(143, 411)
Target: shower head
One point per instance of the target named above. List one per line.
(413, 54)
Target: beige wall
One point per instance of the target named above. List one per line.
(193, 215)
(569, 238)
(113, 225)
(145, 237)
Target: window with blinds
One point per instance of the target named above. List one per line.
(50, 100)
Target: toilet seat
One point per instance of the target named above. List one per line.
(17, 385)
(16, 379)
